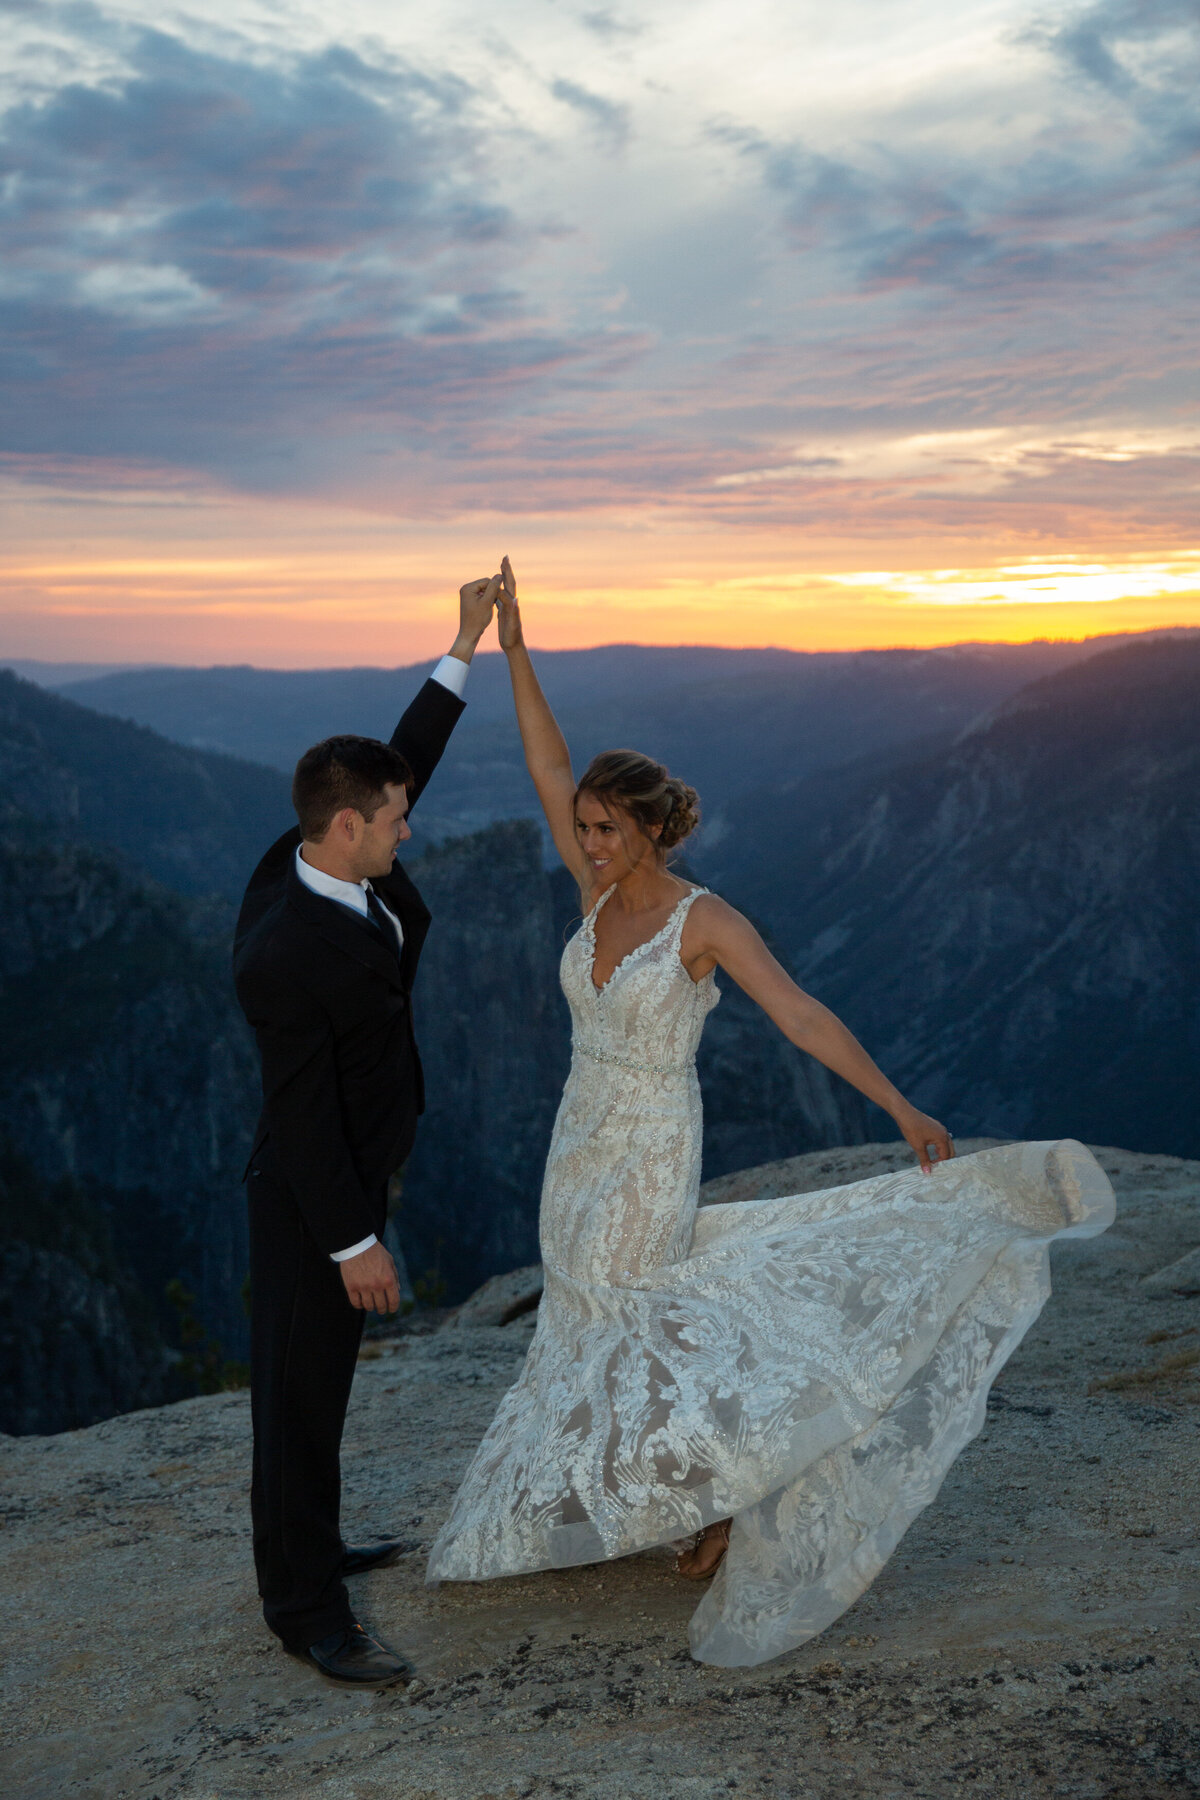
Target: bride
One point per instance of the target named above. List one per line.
(783, 1382)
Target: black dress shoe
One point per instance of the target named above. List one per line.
(358, 1558)
(357, 1660)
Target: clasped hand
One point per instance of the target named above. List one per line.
(478, 599)
(476, 603)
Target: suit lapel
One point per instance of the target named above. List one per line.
(339, 927)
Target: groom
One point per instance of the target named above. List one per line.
(327, 945)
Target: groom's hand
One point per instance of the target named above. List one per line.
(476, 603)
(370, 1280)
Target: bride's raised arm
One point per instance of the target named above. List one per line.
(717, 934)
(546, 755)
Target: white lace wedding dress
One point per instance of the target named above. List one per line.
(809, 1367)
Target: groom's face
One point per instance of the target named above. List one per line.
(382, 836)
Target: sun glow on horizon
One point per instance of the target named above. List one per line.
(318, 607)
(1066, 581)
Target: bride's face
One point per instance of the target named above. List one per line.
(614, 844)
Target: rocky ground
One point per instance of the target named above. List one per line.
(1037, 1632)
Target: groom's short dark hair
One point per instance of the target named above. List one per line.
(340, 772)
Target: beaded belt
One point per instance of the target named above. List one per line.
(625, 1062)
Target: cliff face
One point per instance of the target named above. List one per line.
(495, 1041)
(1009, 920)
(77, 1341)
(493, 1033)
(127, 1072)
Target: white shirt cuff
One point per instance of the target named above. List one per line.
(452, 674)
(354, 1250)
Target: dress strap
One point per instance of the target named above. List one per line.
(681, 912)
(590, 917)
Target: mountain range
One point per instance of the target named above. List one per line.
(728, 721)
(1008, 915)
(1001, 905)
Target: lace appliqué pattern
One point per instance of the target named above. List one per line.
(809, 1366)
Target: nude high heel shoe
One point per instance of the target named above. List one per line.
(717, 1534)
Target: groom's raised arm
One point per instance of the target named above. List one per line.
(424, 730)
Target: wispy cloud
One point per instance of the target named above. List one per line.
(1077, 200)
(610, 25)
(208, 256)
(609, 118)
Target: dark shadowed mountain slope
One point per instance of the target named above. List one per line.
(727, 720)
(1010, 920)
(193, 820)
(126, 1098)
(78, 1339)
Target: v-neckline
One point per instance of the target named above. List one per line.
(637, 948)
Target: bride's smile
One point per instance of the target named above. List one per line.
(613, 847)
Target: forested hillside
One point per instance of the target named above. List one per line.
(126, 1096)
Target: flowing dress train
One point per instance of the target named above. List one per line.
(809, 1366)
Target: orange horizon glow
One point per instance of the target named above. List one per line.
(204, 580)
(282, 614)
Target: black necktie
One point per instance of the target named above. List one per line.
(383, 918)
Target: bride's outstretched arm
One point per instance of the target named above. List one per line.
(546, 755)
(717, 934)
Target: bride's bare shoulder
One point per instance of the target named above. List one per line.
(708, 913)
(706, 904)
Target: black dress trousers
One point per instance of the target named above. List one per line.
(304, 1341)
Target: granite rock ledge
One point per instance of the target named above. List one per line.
(1036, 1634)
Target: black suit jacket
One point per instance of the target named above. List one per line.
(331, 1007)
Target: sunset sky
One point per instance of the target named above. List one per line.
(754, 323)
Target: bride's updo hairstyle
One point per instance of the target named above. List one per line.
(644, 789)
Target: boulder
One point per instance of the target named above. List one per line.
(500, 1300)
(1182, 1277)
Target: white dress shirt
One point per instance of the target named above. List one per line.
(352, 894)
(450, 673)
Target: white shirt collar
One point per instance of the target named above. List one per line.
(349, 893)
